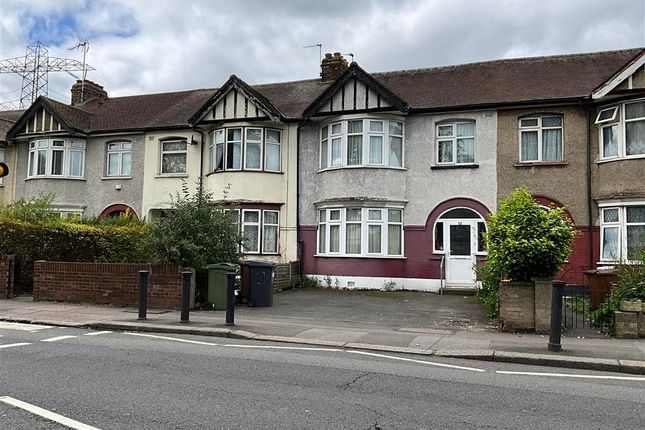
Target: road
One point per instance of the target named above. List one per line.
(118, 380)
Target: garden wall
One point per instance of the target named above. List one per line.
(107, 283)
(7, 267)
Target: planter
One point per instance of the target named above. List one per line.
(600, 285)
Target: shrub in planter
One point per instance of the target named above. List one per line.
(525, 241)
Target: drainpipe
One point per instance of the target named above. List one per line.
(589, 193)
(201, 159)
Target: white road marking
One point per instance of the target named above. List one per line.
(57, 338)
(22, 327)
(11, 345)
(573, 375)
(429, 363)
(302, 348)
(52, 416)
(97, 333)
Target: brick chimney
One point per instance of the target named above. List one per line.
(89, 90)
(332, 67)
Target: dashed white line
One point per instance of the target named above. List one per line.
(57, 338)
(52, 416)
(11, 345)
(22, 327)
(572, 375)
(97, 333)
(300, 348)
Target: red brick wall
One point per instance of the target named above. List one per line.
(7, 265)
(106, 283)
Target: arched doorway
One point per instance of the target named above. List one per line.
(118, 210)
(458, 235)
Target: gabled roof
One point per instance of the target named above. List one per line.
(7, 120)
(355, 71)
(72, 119)
(617, 78)
(247, 91)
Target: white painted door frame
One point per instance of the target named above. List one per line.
(460, 263)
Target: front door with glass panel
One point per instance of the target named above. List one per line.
(460, 249)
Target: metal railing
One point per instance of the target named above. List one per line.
(578, 308)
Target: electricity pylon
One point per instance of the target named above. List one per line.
(34, 68)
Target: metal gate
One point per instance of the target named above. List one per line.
(578, 307)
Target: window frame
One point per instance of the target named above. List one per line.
(620, 121)
(453, 138)
(44, 147)
(119, 152)
(328, 138)
(244, 223)
(621, 224)
(163, 152)
(264, 153)
(539, 129)
(277, 232)
(324, 227)
(239, 215)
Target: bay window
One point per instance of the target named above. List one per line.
(245, 148)
(56, 158)
(622, 130)
(622, 230)
(541, 139)
(359, 231)
(361, 142)
(260, 230)
(455, 143)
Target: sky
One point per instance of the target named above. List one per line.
(150, 46)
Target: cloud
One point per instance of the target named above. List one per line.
(163, 45)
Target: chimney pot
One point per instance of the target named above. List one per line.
(82, 93)
(332, 67)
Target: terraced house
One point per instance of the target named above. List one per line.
(368, 179)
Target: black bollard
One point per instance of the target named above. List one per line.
(143, 293)
(185, 296)
(556, 316)
(230, 298)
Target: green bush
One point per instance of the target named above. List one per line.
(630, 287)
(488, 293)
(309, 282)
(525, 241)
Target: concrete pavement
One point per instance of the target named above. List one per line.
(405, 322)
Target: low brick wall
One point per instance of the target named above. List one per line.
(107, 283)
(7, 271)
(286, 275)
(630, 320)
(517, 306)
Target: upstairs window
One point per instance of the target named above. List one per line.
(540, 139)
(622, 131)
(361, 142)
(173, 156)
(245, 148)
(119, 158)
(56, 158)
(455, 143)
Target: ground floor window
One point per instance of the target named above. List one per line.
(360, 231)
(622, 230)
(260, 229)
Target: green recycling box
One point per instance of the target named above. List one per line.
(217, 283)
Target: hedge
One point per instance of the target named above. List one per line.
(69, 241)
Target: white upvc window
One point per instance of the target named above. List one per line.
(251, 231)
(622, 230)
(260, 230)
(119, 158)
(359, 231)
(622, 131)
(361, 142)
(455, 143)
(270, 231)
(173, 156)
(56, 158)
(246, 148)
(541, 139)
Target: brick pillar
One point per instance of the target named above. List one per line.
(332, 67)
(7, 266)
(517, 306)
(543, 293)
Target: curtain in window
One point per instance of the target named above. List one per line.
(394, 239)
(465, 150)
(253, 155)
(324, 155)
(445, 151)
(466, 129)
(76, 163)
(374, 239)
(334, 238)
(610, 141)
(353, 232)
(551, 145)
(396, 151)
(57, 162)
(322, 239)
(635, 136)
(251, 238)
(336, 155)
(270, 241)
(354, 150)
(272, 157)
(529, 146)
(376, 149)
(635, 241)
(610, 243)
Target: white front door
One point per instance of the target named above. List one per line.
(460, 240)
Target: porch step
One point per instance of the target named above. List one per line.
(460, 291)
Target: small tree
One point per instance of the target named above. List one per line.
(526, 241)
(195, 232)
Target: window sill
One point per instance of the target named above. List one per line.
(243, 171)
(332, 169)
(542, 164)
(376, 257)
(56, 178)
(613, 159)
(114, 178)
(258, 254)
(172, 175)
(454, 166)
